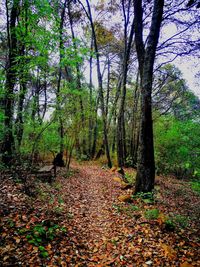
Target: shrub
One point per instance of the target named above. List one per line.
(177, 146)
(195, 186)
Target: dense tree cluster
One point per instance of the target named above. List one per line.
(54, 53)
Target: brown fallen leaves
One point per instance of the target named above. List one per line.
(103, 229)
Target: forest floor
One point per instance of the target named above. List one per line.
(83, 219)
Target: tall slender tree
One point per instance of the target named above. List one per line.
(8, 146)
(121, 134)
(100, 82)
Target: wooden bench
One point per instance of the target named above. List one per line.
(47, 172)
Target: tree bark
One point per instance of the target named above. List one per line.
(134, 126)
(121, 132)
(90, 128)
(78, 78)
(101, 96)
(19, 122)
(58, 105)
(8, 147)
(146, 56)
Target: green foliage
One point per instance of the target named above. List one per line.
(130, 177)
(151, 214)
(169, 225)
(196, 186)
(145, 197)
(41, 234)
(134, 207)
(117, 208)
(180, 220)
(177, 147)
(11, 223)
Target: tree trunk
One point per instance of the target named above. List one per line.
(146, 165)
(58, 104)
(101, 96)
(8, 141)
(90, 108)
(108, 87)
(121, 131)
(19, 123)
(78, 79)
(95, 131)
(134, 128)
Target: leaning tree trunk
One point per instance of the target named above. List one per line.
(146, 56)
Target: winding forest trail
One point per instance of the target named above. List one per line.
(108, 232)
(100, 230)
(92, 194)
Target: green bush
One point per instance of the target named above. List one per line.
(177, 147)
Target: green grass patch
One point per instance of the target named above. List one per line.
(180, 220)
(151, 214)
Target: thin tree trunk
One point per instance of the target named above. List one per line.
(100, 88)
(19, 123)
(95, 131)
(8, 142)
(121, 132)
(108, 87)
(134, 129)
(58, 106)
(90, 108)
(78, 78)
(114, 132)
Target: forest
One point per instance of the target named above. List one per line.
(99, 133)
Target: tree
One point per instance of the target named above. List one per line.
(11, 74)
(121, 134)
(146, 56)
(100, 82)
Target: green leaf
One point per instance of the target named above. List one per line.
(44, 254)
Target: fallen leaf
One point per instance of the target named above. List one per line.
(185, 264)
(125, 198)
(169, 251)
(117, 179)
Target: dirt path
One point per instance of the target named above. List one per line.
(92, 193)
(100, 230)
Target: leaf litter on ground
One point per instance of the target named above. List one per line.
(91, 224)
